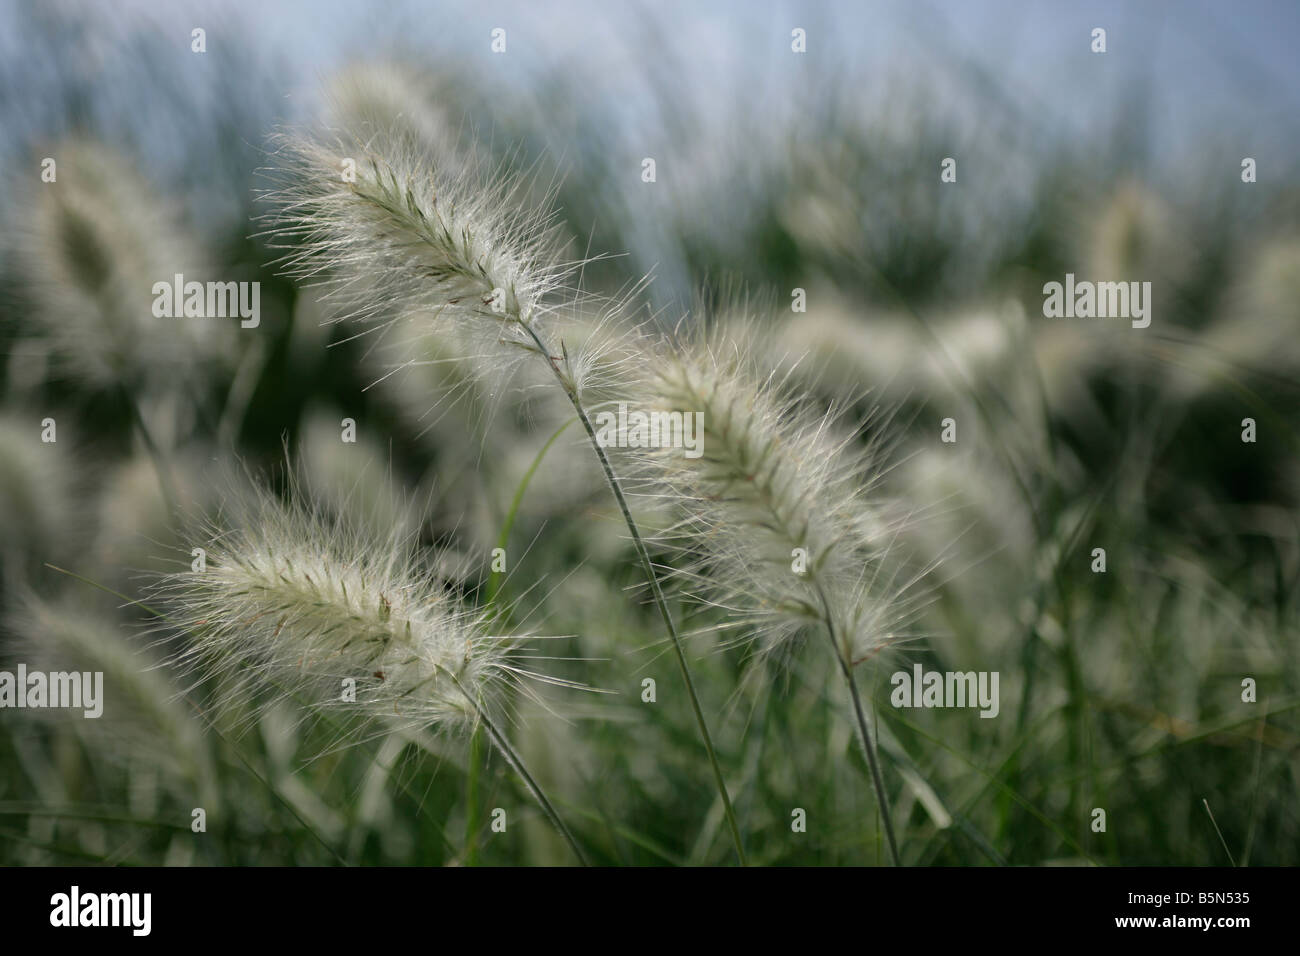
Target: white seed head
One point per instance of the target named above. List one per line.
(96, 242)
(379, 98)
(837, 350)
(134, 525)
(140, 707)
(325, 612)
(36, 483)
(776, 489)
(416, 234)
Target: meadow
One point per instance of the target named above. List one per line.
(378, 565)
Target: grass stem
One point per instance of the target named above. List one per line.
(652, 578)
(517, 764)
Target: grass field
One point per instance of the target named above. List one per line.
(1097, 514)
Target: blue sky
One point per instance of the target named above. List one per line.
(1208, 82)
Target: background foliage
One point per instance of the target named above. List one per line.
(1119, 690)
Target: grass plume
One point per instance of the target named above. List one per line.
(413, 236)
(338, 617)
(780, 508)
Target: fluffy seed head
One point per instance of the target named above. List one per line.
(36, 485)
(141, 710)
(397, 227)
(777, 505)
(97, 239)
(377, 99)
(319, 610)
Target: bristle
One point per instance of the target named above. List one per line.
(333, 615)
(779, 501)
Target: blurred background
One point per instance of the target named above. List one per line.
(774, 171)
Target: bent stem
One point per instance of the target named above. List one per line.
(493, 590)
(471, 797)
(872, 760)
(877, 781)
(653, 579)
(498, 738)
(517, 765)
(166, 484)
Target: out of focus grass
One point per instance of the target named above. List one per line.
(1120, 691)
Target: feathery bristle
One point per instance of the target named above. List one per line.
(778, 504)
(320, 609)
(414, 232)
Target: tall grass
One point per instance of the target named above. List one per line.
(475, 340)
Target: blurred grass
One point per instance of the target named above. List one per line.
(1120, 691)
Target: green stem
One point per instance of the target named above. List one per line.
(471, 798)
(653, 579)
(873, 761)
(493, 591)
(165, 483)
(842, 657)
(517, 764)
